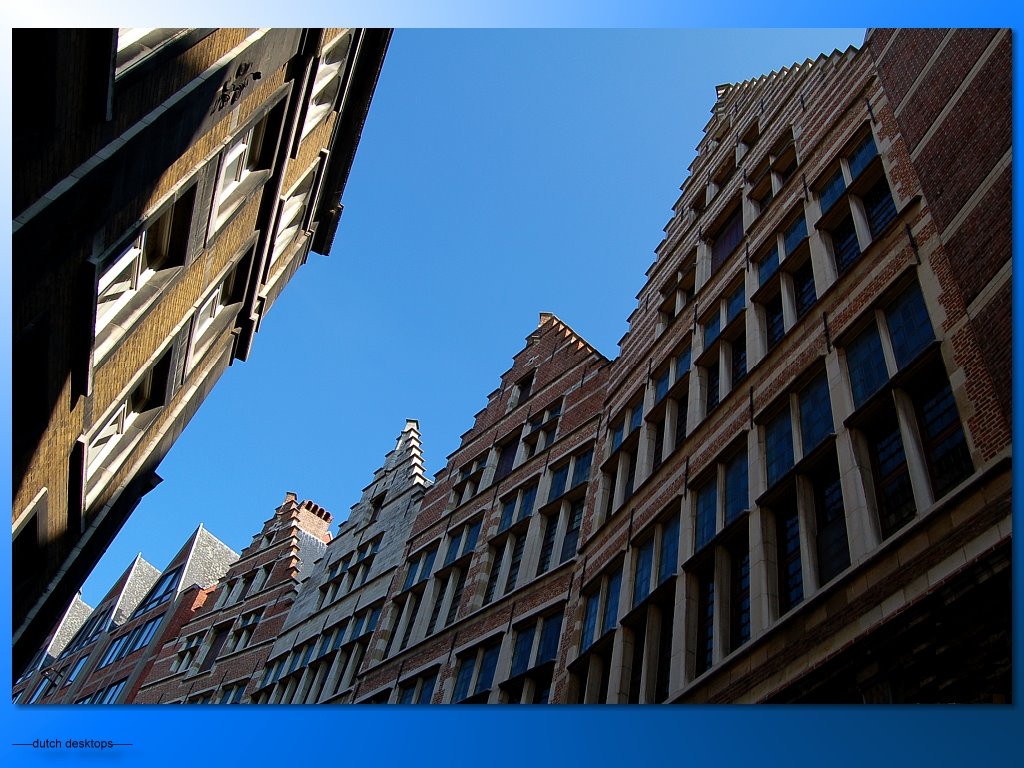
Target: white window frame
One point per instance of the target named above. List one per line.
(326, 82)
(292, 218)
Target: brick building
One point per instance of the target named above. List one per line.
(167, 185)
(217, 652)
(111, 653)
(793, 484)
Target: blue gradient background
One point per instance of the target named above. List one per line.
(450, 736)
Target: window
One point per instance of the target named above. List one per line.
(419, 690)
(242, 159)
(420, 567)
(506, 457)
(220, 636)
(541, 429)
(767, 265)
(292, 218)
(705, 635)
(772, 173)
(521, 391)
(778, 448)
(676, 295)
(75, 671)
(242, 636)
(95, 625)
(462, 543)
(517, 507)
(232, 694)
(130, 642)
(188, 651)
(533, 655)
(856, 202)
(790, 567)
(136, 44)
(123, 427)
(475, 675)
(722, 494)
(108, 695)
(601, 614)
(727, 237)
(469, 480)
(572, 530)
(164, 589)
(327, 82)
(150, 259)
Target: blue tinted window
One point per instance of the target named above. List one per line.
(736, 494)
(815, 413)
(866, 365)
(778, 449)
(832, 191)
(707, 506)
(909, 326)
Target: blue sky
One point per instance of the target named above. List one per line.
(501, 173)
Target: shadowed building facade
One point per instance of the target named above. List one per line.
(167, 185)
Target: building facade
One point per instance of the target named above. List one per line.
(794, 482)
(167, 185)
(109, 656)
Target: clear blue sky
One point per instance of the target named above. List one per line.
(500, 174)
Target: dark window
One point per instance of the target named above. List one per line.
(768, 266)
(590, 620)
(909, 326)
(492, 579)
(453, 609)
(711, 396)
(803, 287)
(488, 664)
(572, 533)
(775, 327)
(522, 649)
(831, 191)
(463, 679)
(507, 511)
(627, 489)
(739, 359)
(707, 506)
(795, 234)
(845, 245)
(549, 635)
(669, 555)
(949, 460)
(815, 413)
(879, 207)
(778, 449)
(866, 365)
(427, 689)
(659, 442)
(736, 494)
(705, 620)
(791, 581)
(506, 458)
(833, 548)
(681, 411)
(581, 469)
(736, 304)
(862, 155)
(547, 544)
(683, 363)
(642, 574)
(611, 606)
(219, 638)
(526, 503)
(739, 599)
(161, 592)
(517, 559)
(893, 492)
(727, 239)
(661, 386)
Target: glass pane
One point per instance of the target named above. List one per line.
(866, 365)
(669, 555)
(815, 413)
(707, 506)
(736, 494)
(778, 447)
(909, 326)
